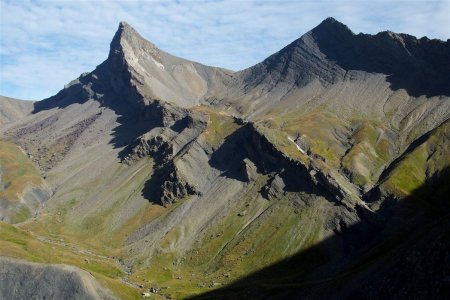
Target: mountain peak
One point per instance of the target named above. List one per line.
(124, 32)
(331, 20)
(331, 25)
(128, 40)
(123, 24)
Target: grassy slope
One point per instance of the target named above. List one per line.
(219, 126)
(63, 219)
(19, 243)
(368, 154)
(18, 171)
(423, 162)
(316, 127)
(362, 155)
(364, 149)
(236, 245)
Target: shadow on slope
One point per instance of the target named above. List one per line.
(407, 257)
(246, 148)
(108, 86)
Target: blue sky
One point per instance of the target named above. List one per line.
(46, 44)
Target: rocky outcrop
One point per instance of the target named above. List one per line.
(172, 187)
(156, 147)
(248, 150)
(177, 129)
(274, 188)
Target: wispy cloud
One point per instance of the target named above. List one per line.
(45, 44)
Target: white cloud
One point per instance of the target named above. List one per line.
(45, 44)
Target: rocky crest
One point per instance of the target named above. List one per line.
(331, 50)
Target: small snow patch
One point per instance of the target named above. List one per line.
(298, 147)
(159, 65)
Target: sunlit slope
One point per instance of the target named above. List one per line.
(22, 189)
(21, 244)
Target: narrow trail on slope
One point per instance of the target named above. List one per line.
(78, 250)
(298, 147)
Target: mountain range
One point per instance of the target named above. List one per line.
(321, 172)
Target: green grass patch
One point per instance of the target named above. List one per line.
(18, 171)
(416, 167)
(18, 243)
(219, 126)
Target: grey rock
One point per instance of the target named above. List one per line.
(49, 282)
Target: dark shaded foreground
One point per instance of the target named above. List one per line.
(408, 258)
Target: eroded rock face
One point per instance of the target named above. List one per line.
(274, 188)
(173, 186)
(248, 151)
(156, 147)
(176, 130)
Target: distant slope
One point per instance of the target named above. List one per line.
(427, 158)
(12, 110)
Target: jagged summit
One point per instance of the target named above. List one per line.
(123, 24)
(138, 72)
(331, 25)
(128, 40)
(329, 51)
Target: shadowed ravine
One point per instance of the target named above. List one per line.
(389, 261)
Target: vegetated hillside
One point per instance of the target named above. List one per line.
(407, 256)
(193, 176)
(18, 246)
(22, 189)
